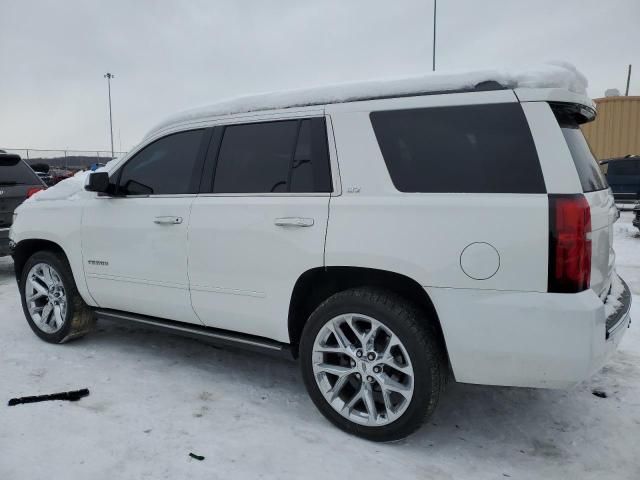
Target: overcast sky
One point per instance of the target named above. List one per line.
(170, 55)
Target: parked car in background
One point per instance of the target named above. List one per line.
(383, 242)
(623, 176)
(636, 216)
(46, 178)
(57, 175)
(44, 172)
(17, 183)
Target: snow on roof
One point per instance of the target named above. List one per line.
(551, 75)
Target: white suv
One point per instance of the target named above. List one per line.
(384, 234)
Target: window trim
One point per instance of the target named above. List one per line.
(198, 166)
(213, 154)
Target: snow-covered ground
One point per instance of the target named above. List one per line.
(155, 398)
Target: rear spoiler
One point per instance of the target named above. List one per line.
(579, 108)
(9, 159)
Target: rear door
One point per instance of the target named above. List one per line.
(603, 209)
(260, 223)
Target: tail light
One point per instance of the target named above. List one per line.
(33, 191)
(569, 243)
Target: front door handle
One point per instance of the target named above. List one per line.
(293, 222)
(168, 220)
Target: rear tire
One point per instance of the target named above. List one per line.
(47, 289)
(360, 382)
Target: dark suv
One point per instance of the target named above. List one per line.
(623, 176)
(17, 183)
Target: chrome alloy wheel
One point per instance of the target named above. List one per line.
(46, 298)
(363, 369)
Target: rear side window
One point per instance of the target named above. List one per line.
(461, 149)
(272, 157)
(169, 166)
(17, 173)
(591, 177)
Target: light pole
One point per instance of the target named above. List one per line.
(435, 2)
(109, 76)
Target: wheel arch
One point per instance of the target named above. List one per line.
(317, 284)
(25, 248)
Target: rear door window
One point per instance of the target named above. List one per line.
(459, 149)
(274, 157)
(591, 177)
(12, 173)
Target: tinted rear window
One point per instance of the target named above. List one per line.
(461, 149)
(591, 177)
(19, 174)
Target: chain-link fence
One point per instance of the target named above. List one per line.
(64, 159)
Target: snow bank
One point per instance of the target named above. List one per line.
(550, 75)
(612, 303)
(69, 188)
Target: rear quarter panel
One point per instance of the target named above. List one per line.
(422, 235)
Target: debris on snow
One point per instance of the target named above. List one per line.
(550, 75)
(599, 393)
(197, 457)
(72, 396)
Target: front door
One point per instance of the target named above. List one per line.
(135, 242)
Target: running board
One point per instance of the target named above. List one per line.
(211, 335)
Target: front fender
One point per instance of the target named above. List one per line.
(58, 222)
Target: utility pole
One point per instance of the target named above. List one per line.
(109, 76)
(626, 93)
(435, 2)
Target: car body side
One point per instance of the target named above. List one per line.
(502, 330)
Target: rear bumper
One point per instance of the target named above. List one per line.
(528, 339)
(4, 242)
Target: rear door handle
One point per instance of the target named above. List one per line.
(167, 220)
(293, 222)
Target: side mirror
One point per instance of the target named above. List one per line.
(98, 182)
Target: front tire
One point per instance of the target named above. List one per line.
(51, 303)
(372, 363)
